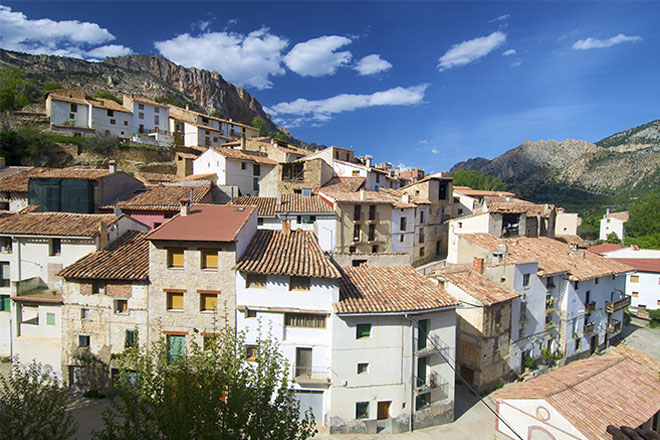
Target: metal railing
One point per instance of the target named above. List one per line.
(617, 305)
(591, 307)
(588, 328)
(307, 374)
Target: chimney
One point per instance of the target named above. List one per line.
(363, 194)
(635, 247)
(243, 142)
(112, 166)
(478, 265)
(103, 235)
(607, 211)
(286, 226)
(185, 206)
(187, 107)
(368, 161)
(405, 198)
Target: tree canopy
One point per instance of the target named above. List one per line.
(644, 218)
(209, 393)
(15, 90)
(476, 180)
(107, 95)
(259, 123)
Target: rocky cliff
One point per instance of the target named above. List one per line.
(573, 171)
(147, 75)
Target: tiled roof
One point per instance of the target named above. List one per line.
(347, 184)
(466, 190)
(571, 239)
(356, 197)
(162, 198)
(397, 198)
(108, 104)
(147, 101)
(479, 287)
(517, 206)
(156, 178)
(293, 253)
(605, 247)
(19, 182)
(623, 216)
(435, 176)
(553, 256)
(265, 205)
(300, 203)
(68, 99)
(594, 393)
(127, 258)
(205, 222)
(208, 176)
(231, 153)
(77, 172)
(55, 223)
(393, 289)
(641, 264)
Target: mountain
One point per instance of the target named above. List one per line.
(575, 173)
(150, 76)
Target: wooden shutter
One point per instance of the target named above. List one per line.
(175, 300)
(175, 257)
(209, 301)
(210, 259)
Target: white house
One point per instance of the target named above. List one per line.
(235, 167)
(111, 118)
(148, 116)
(36, 246)
(375, 178)
(614, 222)
(580, 400)
(468, 200)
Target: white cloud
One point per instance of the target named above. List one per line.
(503, 17)
(317, 57)
(303, 110)
(595, 43)
(372, 64)
(471, 50)
(241, 59)
(435, 151)
(509, 52)
(71, 38)
(516, 63)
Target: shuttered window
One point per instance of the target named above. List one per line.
(298, 283)
(362, 331)
(255, 281)
(174, 301)
(209, 258)
(175, 257)
(308, 320)
(208, 302)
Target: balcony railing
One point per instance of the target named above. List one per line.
(433, 343)
(550, 301)
(591, 307)
(617, 305)
(589, 328)
(614, 327)
(550, 310)
(304, 374)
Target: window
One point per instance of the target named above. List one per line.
(73, 108)
(256, 170)
(255, 281)
(176, 347)
(596, 281)
(4, 273)
(98, 286)
(362, 331)
(174, 300)
(156, 120)
(299, 283)
(421, 235)
(401, 238)
(308, 320)
(141, 106)
(130, 338)
(372, 212)
(251, 353)
(243, 165)
(402, 224)
(175, 258)
(355, 173)
(356, 232)
(72, 116)
(351, 249)
(635, 294)
(421, 252)
(362, 368)
(208, 302)
(576, 285)
(421, 217)
(5, 245)
(125, 122)
(113, 122)
(140, 115)
(526, 278)
(634, 278)
(362, 410)
(5, 303)
(250, 313)
(156, 110)
(121, 306)
(255, 184)
(55, 247)
(372, 232)
(374, 249)
(357, 210)
(50, 318)
(209, 258)
(460, 211)
(83, 341)
(84, 313)
(260, 221)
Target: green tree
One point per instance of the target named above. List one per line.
(644, 218)
(51, 85)
(259, 123)
(590, 227)
(218, 114)
(476, 180)
(107, 95)
(33, 405)
(612, 237)
(210, 393)
(171, 99)
(14, 89)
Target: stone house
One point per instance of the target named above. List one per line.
(191, 261)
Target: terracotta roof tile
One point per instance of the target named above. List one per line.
(231, 153)
(348, 184)
(393, 289)
(77, 172)
(553, 256)
(397, 197)
(147, 101)
(479, 287)
(506, 205)
(605, 247)
(127, 258)
(56, 97)
(19, 182)
(265, 205)
(466, 190)
(584, 394)
(641, 264)
(108, 104)
(162, 198)
(55, 223)
(299, 203)
(205, 222)
(208, 176)
(356, 197)
(156, 178)
(623, 216)
(294, 253)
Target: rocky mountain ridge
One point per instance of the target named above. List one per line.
(574, 171)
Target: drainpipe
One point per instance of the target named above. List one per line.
(412, 373)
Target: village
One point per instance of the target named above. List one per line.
(386, 289)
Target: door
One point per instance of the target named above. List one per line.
(176, 347)
(468, 374)
(384, 410)
(303, 362)
(421, 371)
(594, 343)
(312, 400)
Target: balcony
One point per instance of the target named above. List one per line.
(617, 305)
(550, 311)
(550, 301)
(588, 328)
(427, 384)
(433, 345)
(590, 308)
(549, 325)
(306, 375)
(614, 327)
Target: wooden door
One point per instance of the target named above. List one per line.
(384, 410)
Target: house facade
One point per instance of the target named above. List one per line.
(614, 222)
(148, 116)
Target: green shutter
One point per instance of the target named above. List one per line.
(176, 347)
(5, 303)
(363, 331)
(50, 318)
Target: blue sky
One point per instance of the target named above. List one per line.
(423, 84)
